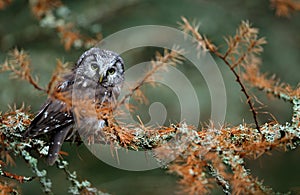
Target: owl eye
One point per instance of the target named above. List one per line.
(111, 71)
(94, 66)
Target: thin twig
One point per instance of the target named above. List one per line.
(168, 58)
(207, 45)
(244, 90)
(16, 177)
(220, 179)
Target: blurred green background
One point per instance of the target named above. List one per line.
(19, 28)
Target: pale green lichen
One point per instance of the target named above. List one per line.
(16, 123)
(235, 143)
(76, 186)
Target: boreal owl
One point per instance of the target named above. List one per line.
(98, 75)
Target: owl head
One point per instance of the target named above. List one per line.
(103, 67)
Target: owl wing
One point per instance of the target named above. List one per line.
(52, 116)
(53, 119)
(50, 119)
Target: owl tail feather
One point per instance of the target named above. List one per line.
(56, 144)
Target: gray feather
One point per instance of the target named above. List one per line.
(97, 75)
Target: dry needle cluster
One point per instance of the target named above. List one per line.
(205, 158)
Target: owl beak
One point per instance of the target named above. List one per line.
(101, 78)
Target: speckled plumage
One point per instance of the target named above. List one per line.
(97, 75)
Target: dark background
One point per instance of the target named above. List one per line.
(19, 28)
